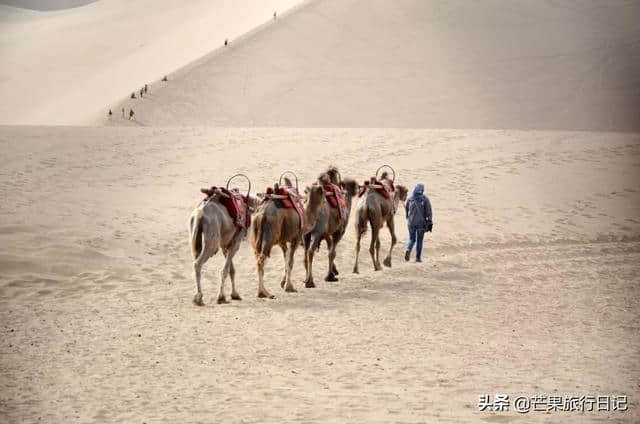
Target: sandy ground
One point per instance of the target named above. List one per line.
(526, 64)
(530, 283)
(68, 67)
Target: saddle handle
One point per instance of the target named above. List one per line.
(294, 176)
(241, 175)
(393, 179)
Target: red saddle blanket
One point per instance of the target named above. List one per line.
(335, 196)
(292, 199)
(387, 190)
(237, 205)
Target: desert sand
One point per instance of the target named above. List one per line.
(529, 283)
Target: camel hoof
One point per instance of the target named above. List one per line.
(262, 295)
(387, 262)
(355, 271)
(310, 285)
(236, 296)
(222, 300)
(330, 278)
(282, 284)
(377, 268)
(197, 299)
(290, 289)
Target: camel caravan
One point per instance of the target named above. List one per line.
(281, 216)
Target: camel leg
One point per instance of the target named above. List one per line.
(223, 277)
(306, 245)
(374, 247)
(283, 246)
(336, 239)
(331, 245)
(289, 263)
(355, 265)
(262, 291)
(232, 270)
(197, 268)
(392, 231)
(315, 242)
(232, 274)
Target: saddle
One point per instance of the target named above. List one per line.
(288, 198)
(236, 204)
(336, 199)
(384, 187)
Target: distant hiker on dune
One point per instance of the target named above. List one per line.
(141, 92)
(165, 78)
(274, 16)
(226, 41)
(122, 113)
(132, 115)
(110, 113)
(146, 88)
(133, 95)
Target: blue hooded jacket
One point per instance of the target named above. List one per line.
(418, 208)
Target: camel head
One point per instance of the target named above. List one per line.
(402, 192)
(350, 186)
(333, 174)
(254, 202)
(315, 196)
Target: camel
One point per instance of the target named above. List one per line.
(329, 226)
(281, 226)
(212, 228)
(375, 209)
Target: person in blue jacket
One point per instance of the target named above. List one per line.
(419, 219)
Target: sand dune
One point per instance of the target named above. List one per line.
(67, 67)
(522, 64)
(530, 282)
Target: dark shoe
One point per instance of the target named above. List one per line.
(407, 254)
(418, 260)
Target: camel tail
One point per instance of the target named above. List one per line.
(195, 231)
(362, 220)
(261, 237)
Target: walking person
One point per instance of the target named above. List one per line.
(132, 115)
(110, 113)
(123, 113)
(146, 88)
(419, 220)
(141, 92)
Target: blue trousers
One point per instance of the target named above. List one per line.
(416, 236)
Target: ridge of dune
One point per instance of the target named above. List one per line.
(520, 64)
(46, 5)
(67, 67)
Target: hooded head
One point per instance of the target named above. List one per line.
(418, 190)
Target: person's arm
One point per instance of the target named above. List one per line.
(406, 209)
(427, 209)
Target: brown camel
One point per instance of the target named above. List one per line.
(375, 209)
(281, 226)
(211, 228)
(330, 226)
